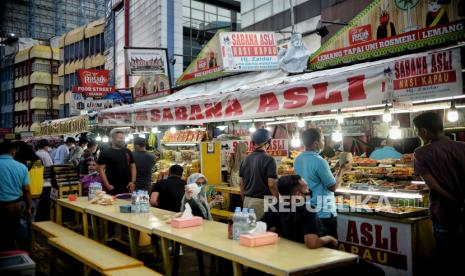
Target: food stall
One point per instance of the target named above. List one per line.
(382, 206)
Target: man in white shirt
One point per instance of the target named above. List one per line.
(62, 152)
(43, 153)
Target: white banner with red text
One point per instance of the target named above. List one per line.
(384, 243)
(414, 77)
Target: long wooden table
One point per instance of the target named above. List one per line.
(284, 258)
(80, 205)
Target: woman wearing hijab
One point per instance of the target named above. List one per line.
(199, 203)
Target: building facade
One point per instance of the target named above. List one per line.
(180, 26)
(275, 15)
(36, 87)
(6, 91)
(43, 19)
(81, 48)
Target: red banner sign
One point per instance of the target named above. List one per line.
(277, 147)
(93, 77)
(360, 34)
(433, 72)
(94, 91)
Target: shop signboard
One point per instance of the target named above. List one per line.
(93, 83)
(425, 76)
(350, 126)
(387, 244)
(277, 147)
(151, 86)
(146, 61)
(150, 70)
(71, 125)
(411, 78)
(80, 102)
(249, 51)
(389, 27)
(207, 65)
(93, 91)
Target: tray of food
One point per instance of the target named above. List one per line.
(365, 162)
(360, 186)
(401, 212)
(388, 161)
(414, 188)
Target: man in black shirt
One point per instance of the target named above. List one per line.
(295, 221)
(144, 165)
(167, 194)
(116, 165)
(258, 174)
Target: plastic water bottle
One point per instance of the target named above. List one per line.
(236, 223)
(133, 202)
(146, 202)
(252, 219)
(94, 187)
(245, 221)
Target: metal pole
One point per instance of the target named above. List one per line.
(291, 4)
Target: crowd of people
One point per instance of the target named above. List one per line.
(440, 162)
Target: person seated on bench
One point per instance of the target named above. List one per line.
(294, 218)
(199, 203)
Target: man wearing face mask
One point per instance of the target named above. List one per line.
(61, 154)
(76, 153)
(116, 165)
(441, 163)
(317, 173)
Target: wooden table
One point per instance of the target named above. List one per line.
(79, 206)
(144, 222)
(94, 255)
(284, 258)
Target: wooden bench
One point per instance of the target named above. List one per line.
(52, 230)
(92, 254)
(138, 271)
(221, 214)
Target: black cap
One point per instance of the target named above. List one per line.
(139, 141)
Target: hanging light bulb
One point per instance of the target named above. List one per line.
(105, 139)
(452, 113)
(155, 130)
(339, 118)
(300, 122)
(131, 136)
(387, 116)
(395, 131)
(336, 136)
(252, 129)
(126, 139)
(173, 130)
(296, 141)
(98, 138)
